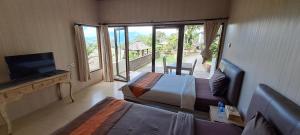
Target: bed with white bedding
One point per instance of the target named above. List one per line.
(187, 92)
(169, 89)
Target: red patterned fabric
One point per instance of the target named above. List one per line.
(145, 83)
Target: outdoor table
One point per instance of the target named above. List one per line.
(185, 66)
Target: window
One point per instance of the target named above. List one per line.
(140, 48)
(92, 47)
(181, 43)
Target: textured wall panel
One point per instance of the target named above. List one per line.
(266, 44)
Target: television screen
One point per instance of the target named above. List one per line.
(22, 66)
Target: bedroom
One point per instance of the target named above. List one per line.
(260, 38)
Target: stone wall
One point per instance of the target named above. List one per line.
(141, 61)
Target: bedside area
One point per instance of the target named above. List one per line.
(215, 116)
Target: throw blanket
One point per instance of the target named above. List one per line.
(188, 95)
(145, 83)
(176, 90)
(97, 120)
(184, 124)
(119, 117)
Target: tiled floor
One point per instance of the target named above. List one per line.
(57, 114)
(51, 117)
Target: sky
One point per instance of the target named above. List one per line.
(90, 31)
(141, 29)
(144, 30)
(135, 31)
(148, 30)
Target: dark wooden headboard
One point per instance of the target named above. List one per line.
(277, 109)
(235, 76)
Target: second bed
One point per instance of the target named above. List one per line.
(187, 92)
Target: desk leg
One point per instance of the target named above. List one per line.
(5, 117)
(70, 92)
(58, 91)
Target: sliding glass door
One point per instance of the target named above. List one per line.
(193, 46)
(173, 49)
(119, 50)
(140, 49)
(166, 49)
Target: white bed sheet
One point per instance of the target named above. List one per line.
(175, 90)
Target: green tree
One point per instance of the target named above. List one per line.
(214, 48)
(172, 41)
(160, 37)
(91, 47)
(191, 36)
(146, 39)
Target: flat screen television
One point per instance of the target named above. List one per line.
(22, 66)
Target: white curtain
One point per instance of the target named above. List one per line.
(106, 54)
(82, 59)
(210, 32)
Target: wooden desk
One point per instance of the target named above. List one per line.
(14, 91)
(214, 117)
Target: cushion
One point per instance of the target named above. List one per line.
(204, 96)
(203, 127)
(258, 125)
(218, 83)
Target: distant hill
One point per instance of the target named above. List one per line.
(90, 40)
(132, 37)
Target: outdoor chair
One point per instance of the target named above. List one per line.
(195, 62)
(165, 65)
(191, 72)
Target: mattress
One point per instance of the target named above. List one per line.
(136, 119)
(168, 90)
(203, 127)
(118, 117)
(204, 96)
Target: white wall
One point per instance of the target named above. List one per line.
(32, 26)
(266, 44)
(136, 11)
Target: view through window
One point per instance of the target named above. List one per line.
(92, 47)
(140, 49)
(117, 40)
(193, 45)
(166, 47)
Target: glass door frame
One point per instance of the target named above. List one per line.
(180, 28)
(127, 77)
(221, 44)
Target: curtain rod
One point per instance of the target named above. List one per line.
(84, 24)
(167, 22)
